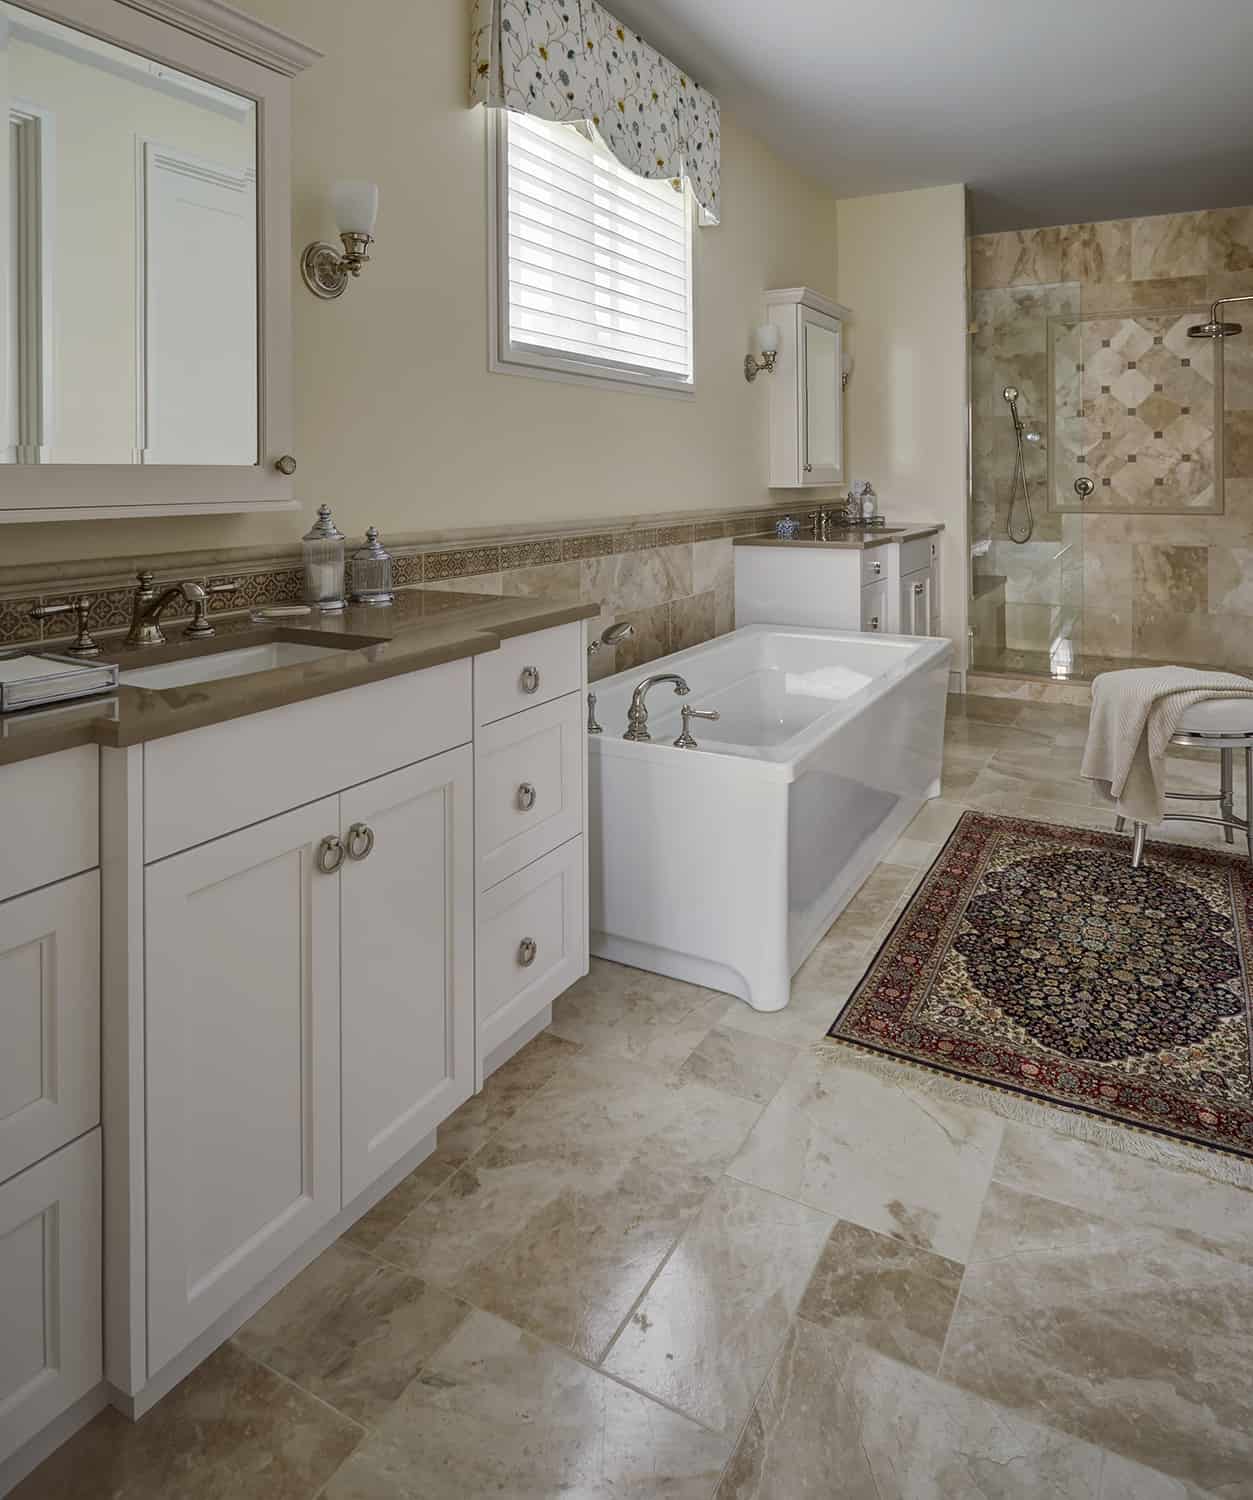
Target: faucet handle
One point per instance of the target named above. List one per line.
(685, 740)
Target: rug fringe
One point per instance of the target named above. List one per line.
(1180, 1156)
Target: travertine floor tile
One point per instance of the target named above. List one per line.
(560, 1221)
(231, 1431)
(706, 1333)
(499, 1413)
(874, 1151)
(351, 1331)
(872, 1289)
(461, 1135)
(1123, 1480)
(1129, 1336)
(623, 1012)
(730, 1060)
(1120, 1185)
(838, 1420)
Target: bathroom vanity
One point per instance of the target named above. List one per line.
(259, 935)
(885, 580)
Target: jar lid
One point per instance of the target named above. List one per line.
(373, 551)
(324, 528)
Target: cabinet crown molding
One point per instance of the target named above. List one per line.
(222, 24)
(807, 297)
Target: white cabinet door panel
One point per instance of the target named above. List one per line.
(49, 1019)
(408, 960)
(874, 607)
(242, 1044)
(528, 786)
(51, 1342)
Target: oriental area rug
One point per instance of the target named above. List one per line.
(1033, 958)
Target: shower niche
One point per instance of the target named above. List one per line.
(1135, 406)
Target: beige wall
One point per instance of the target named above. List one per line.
(400, 423)
(902, 261)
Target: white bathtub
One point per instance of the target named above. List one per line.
(725, 865)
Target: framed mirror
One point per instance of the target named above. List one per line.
(147, 260)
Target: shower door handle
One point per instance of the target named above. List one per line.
(1084, 486)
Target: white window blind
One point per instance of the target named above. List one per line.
(596, 263)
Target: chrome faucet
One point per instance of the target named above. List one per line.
(637, 714)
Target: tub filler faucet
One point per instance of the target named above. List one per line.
(637, 714)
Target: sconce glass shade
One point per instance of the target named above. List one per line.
(768, 338)
(356, 206)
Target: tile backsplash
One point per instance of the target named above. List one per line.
(672, 577)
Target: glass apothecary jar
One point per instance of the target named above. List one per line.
(370, 572)
(323, 547)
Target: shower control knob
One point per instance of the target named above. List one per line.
(1084, 486)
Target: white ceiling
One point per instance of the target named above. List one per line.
(1052, 111)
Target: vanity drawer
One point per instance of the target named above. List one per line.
(49, 1019)
(207, 782)
(874, 607)
(50, 814)
(528, 670)
(544, 906)
(528, 786)
(917, 554)
(874, 564)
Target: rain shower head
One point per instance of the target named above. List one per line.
(1216, 328)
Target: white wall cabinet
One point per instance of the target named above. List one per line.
(242, 946)
(407, 947)
(51, 1350)
(806, 389)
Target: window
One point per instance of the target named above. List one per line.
(594, 264)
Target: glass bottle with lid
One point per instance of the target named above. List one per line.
(370, 570)
(323, 547)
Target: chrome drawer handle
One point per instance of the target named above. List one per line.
(360, 841)
(526, 797)
(330, 854)
(918, 588)
(529, 680)
(876, 568)
(526, 952)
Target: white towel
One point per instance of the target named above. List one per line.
(1134, 715)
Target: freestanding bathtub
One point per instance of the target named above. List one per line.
(725, 865)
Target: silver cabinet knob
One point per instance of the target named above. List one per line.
(529, 680)
(874, 622)
(526, 952)
(360, 841)
(286, 464)
(809, 468)
(526, 797)
(876, 568)
(330, 854)
(918, 588)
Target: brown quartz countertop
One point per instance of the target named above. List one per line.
(847, 539)
(424, 628)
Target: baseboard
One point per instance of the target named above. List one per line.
(183, 1363)
(18, 1465)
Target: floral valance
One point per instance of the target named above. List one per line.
(571, 60)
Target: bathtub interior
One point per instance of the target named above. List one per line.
(768, 685)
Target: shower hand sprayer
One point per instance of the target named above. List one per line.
(1019, 482)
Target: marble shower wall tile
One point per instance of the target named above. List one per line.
(1169, 245)
(1021, 257)
(1172, 579)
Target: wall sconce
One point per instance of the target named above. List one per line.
(324, 268)
(846, 371)
(768, 343)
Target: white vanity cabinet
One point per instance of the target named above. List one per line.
(51, 1348)
(806, 389)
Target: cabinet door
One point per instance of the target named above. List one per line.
(916, 603)
(408, 965)
(822, 459)
(874, 607)
(934, 597)
(242, 1065)
(49, 1019)
(51, 1344)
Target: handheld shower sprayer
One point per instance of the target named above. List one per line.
(1019, 482)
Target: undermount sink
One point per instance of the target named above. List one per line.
(237, 663)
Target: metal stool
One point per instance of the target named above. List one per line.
(1225, 725)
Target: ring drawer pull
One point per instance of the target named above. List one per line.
(876, 568)
(330, 854)
(526, 952)
(526, 797)
(360, 841)
(918, 588)
(529, 680)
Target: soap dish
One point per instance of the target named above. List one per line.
(280, 612)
